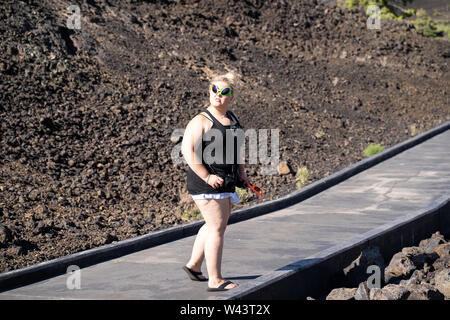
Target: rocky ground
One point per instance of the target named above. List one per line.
(415, 273)
(88, 115)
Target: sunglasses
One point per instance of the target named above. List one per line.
(224, 92)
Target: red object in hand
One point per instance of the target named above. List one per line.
(258, 190)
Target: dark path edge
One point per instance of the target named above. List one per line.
(313, 276)
(44, 270)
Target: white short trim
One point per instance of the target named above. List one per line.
(233, 195)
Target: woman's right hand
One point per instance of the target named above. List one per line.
(214, 181)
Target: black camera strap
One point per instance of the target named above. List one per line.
(233, 171)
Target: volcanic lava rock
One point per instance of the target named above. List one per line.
(414, 273)
(362, 292)
(442, 282)
(94, 109)
(342, 294)
(424, 291)
(429, 245)
(5, 236)
(389, 292)
(400, 267)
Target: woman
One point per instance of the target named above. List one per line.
(205, 183)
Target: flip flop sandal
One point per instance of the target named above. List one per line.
(221, 287)
(194, 275)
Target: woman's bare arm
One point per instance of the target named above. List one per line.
(192, 136)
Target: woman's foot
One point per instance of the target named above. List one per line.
(216, 285)
(197, 272)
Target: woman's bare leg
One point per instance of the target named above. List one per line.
(198, 251)
(216, 213)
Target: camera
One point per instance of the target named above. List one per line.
(229, 180)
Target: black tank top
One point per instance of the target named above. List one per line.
(197, 185)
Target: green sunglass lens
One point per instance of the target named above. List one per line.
(226, 91)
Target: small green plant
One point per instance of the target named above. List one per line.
(319, 134)
(351, 3)
(429, 27)
(444, 27)
(409, 13)
(301, 177)
(244, 194)
(190, 213)
(425, 25)
(413, 130)
(386, 8)
(373, 149)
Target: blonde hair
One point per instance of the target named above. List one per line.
(228, 77)
(231, 77)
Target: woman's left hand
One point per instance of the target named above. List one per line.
(243, 176)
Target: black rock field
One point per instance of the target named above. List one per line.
(88, 113)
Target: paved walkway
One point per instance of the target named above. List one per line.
(389, 190)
